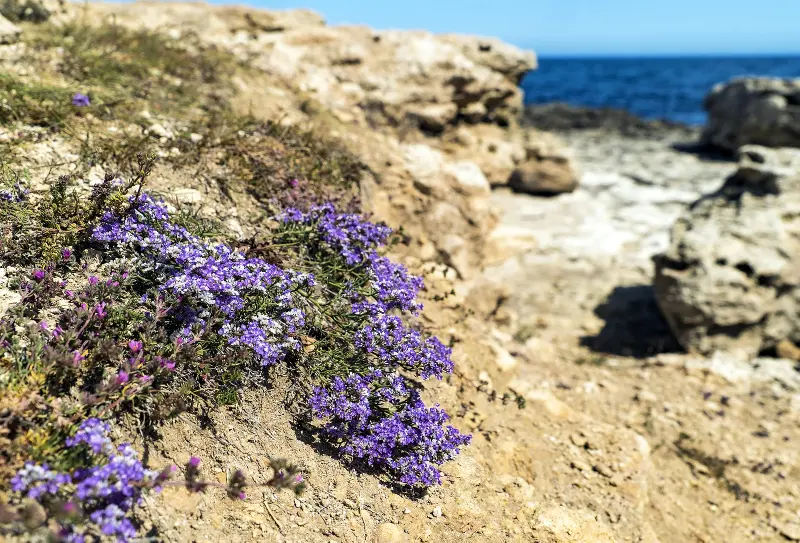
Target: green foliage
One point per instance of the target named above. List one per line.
(33, 104)
(136, 66)
(281, 166)
(36, 231)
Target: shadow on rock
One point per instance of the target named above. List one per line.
(704, 151)
(633, 326)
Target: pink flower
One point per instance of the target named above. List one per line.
(135, 346)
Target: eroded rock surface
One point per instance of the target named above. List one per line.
(751, 110)
(730, 278)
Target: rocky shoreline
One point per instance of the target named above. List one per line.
(565, 118)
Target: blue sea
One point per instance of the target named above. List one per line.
(652, 88)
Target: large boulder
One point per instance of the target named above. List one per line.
(548, 167)
(730, 279)
(760, 111)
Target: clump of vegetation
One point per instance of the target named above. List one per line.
(136, 68)
(132, 312)
(281, 166)
(33, 104)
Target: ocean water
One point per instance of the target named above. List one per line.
(652, 88)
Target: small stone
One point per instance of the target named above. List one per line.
(159, 131)
(222, 477)
(195, 138)
(389, 533)
(437, 511)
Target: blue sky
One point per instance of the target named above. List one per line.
(579, 27)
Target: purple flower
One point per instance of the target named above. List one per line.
(100, 310)
(93, 280)
(194, 462)
(80, 100)
(66, 254)
(122, 377)
(94, 433)
(38, 274)
(135, 346)
(35, 481)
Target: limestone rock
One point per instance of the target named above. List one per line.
(548, 168)
(730, 279)
(9, 32)
(750, 110)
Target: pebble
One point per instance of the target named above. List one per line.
(437, 511)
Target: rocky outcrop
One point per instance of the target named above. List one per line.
(374, 78)
(730, 279)
(760, 111)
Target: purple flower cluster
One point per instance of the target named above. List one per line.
(348, 234)
(210, 276)
(376, 417)
(35, 481)
(94, 433)
(395, 288)
(381, 421)
(396, 346)
(106, 492)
